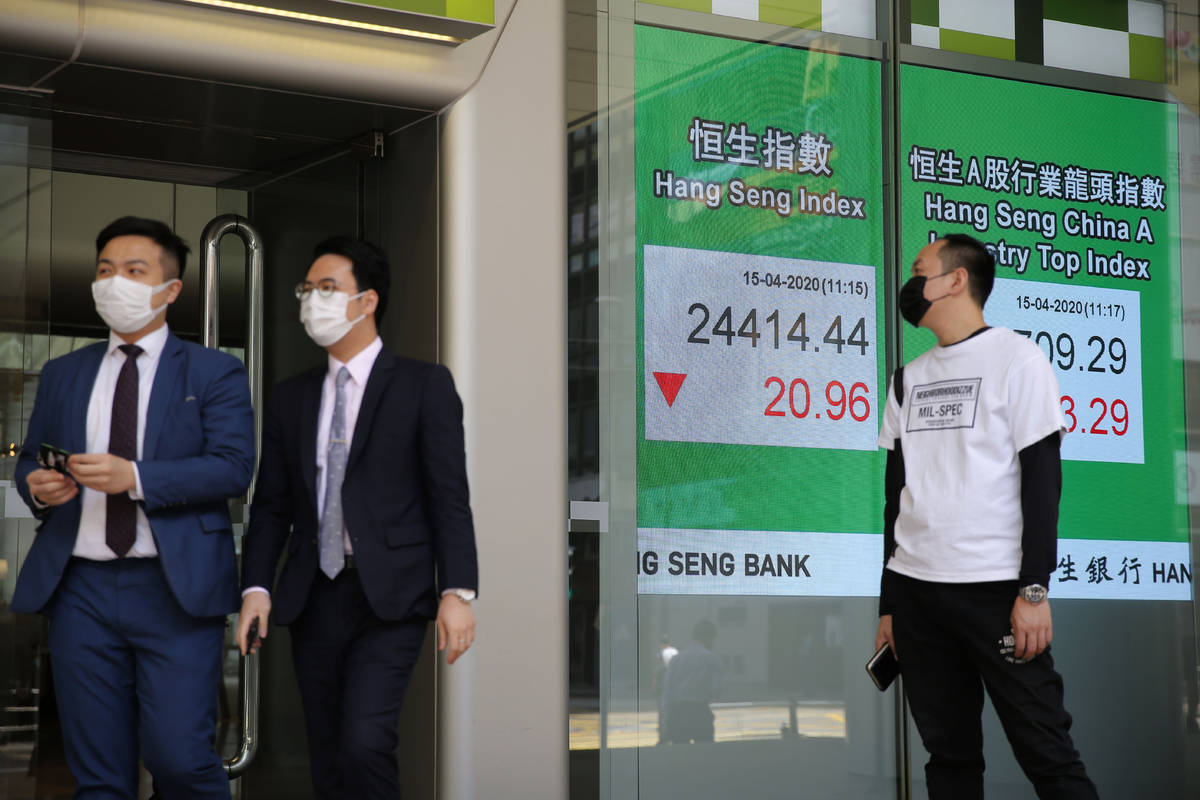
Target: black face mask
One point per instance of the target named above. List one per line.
(912, 302)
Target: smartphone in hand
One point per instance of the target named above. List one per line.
(883, 667)
(51, 457)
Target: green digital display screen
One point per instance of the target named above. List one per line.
(759, 263)
(760, 350)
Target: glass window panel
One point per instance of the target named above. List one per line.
(787, 666)
(24, 227)
(781, 654)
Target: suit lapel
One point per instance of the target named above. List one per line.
(381, 375)
(310, 407)
(164, 393)
(85, 381)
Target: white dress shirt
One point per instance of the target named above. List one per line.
(90, 541)
(360, 370)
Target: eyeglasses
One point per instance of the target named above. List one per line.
(325, 288)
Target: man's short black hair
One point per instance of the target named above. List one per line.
(961, 250)
(174, 250)
(369, 263)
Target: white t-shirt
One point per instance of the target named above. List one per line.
(969, 409)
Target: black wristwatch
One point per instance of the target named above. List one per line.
(1034, 593)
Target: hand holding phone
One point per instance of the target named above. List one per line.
(883, 667)
(55, 458)
(53, 484)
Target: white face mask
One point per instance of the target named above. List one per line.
(124, 304)
(324, 318)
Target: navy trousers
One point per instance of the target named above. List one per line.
(135, 673)
(352, 669)
(950, 642)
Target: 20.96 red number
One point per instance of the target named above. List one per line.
(838, 400)
(1114, 409)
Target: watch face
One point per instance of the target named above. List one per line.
(1034, 593)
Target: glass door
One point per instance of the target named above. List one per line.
(28, 737)
(300, 169)
(743, 236)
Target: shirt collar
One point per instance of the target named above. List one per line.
(984, 329)
(360, 365)
(152, 343)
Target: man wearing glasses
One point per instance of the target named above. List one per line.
(363, 478)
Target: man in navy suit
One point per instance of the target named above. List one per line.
(363, 479)
(133, 562)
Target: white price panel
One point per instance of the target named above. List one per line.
(759, 350)
(1092, 336)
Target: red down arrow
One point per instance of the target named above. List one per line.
(670, 383)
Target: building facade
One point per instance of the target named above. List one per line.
(659, 246)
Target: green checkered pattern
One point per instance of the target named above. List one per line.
(1123, 38)
(466, 10)
(792, 13)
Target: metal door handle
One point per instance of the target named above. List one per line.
(237, 765)
(210, 271)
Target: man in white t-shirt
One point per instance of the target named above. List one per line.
(972, 487)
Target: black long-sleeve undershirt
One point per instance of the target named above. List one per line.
(893, 483)
(1041, 489)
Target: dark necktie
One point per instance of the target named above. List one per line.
(121, 522)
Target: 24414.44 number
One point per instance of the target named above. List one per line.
(749, 329)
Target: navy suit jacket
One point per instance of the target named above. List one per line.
(404, 497)
(197, 452)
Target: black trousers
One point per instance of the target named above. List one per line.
(950, 642)
(688, 721)
(352, 669)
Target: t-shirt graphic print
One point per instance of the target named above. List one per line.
(941, 405)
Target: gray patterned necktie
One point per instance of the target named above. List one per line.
(331, 548)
